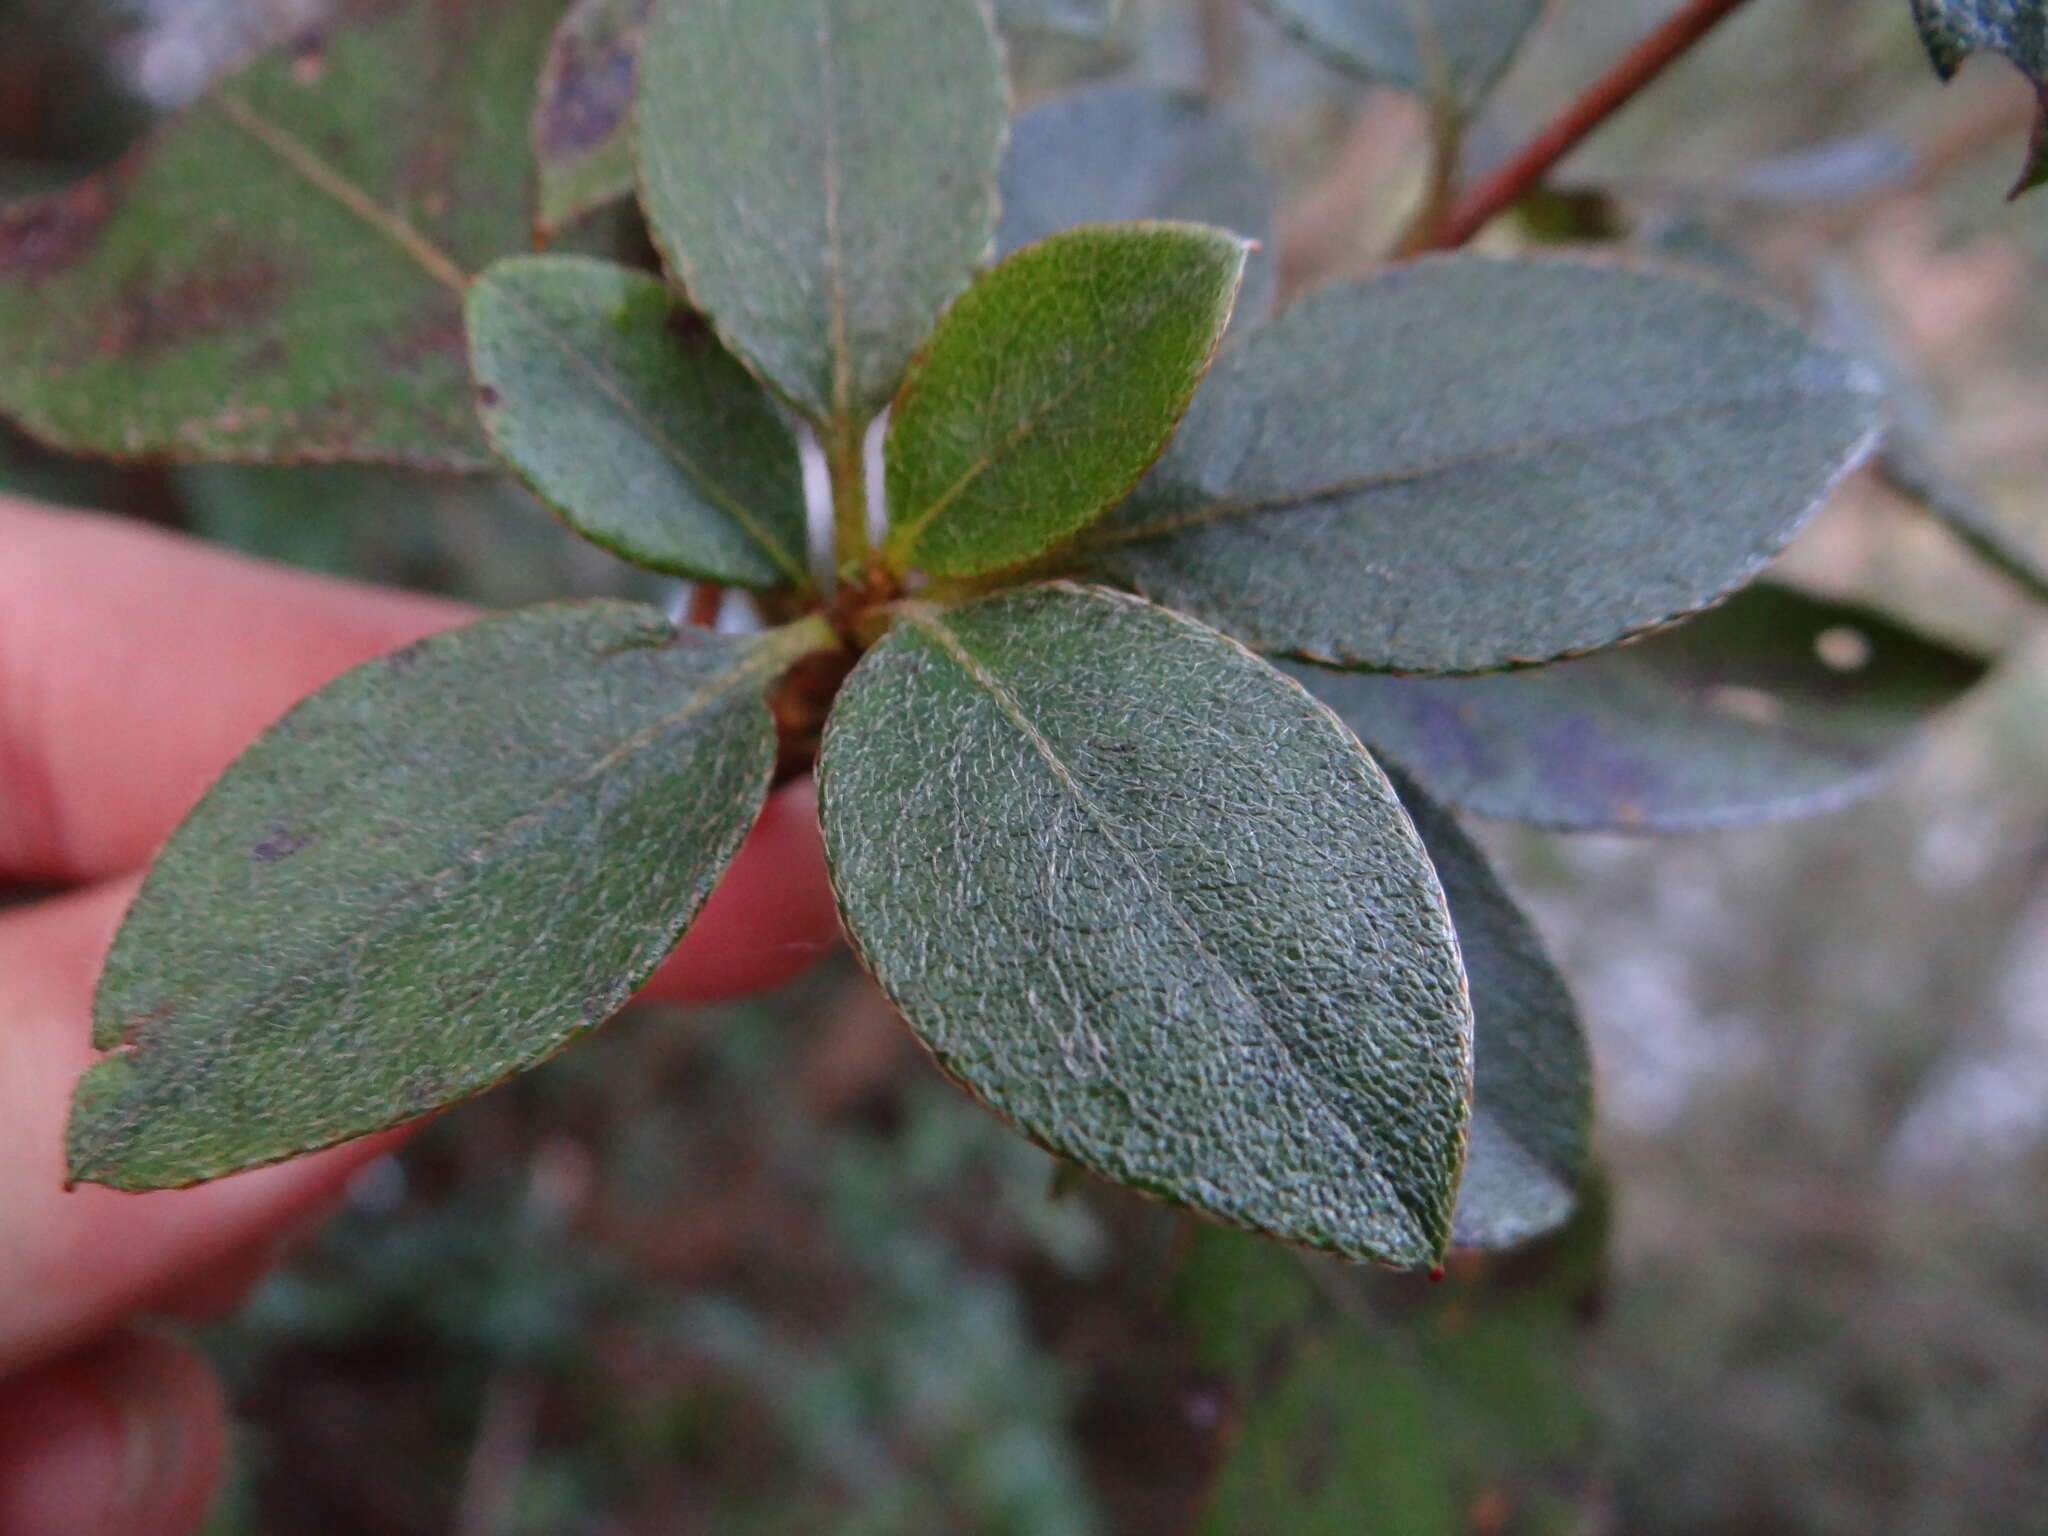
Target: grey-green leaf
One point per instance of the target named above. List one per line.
(583, 115)
(1136, 151)
(1074, 18)
(1914, 458)
(619, 406)
(1050, 387)
(1410, 43)
(1150, 903)
(1468, 464)
(821, 176)
(436, 871)
(277, 273)
(1954, 29)
(1774, 704)
(1532, 1081)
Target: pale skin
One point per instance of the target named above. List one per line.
(133, 666)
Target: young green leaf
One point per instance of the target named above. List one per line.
(1467, 464)
(1532, 1082)
(620, 407)
(433, 873)
(1149, 902)
(1952, 30)
(1408, 42)
(277, 273)
(582, 117)
(1774, 704)
(1049, 387)
(821, 176)
(1117, 152)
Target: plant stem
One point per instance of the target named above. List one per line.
(846, 465)
(1446, 133)
(1600, 101)
(706, 598)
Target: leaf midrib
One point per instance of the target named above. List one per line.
(602, 379)
(323, 177)
(762, 658)
(928, 620)
(1227, 508)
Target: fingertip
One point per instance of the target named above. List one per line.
(772, 916)
(127, 1436)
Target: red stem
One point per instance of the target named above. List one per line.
(1601, 100)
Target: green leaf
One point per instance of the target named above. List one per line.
(621, 409)
(582, 117)
(1406, 42)
(1914, 458)
(1073, 18)
(1467, 464)
(821, 176)
(1048, 389)
(277, 273)
(1775, 704)
(1952, 30)
(1532, 1082)
(1147, 901)
(433, 873)
(1118, 152)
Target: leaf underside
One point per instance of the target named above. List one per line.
(1465, 464)
(619, 406)
(433, 873)
(1148, 902)
(1049, 387)
(1532, 1081)
(1134, 151)
(1773, 705)
(316, 313)
(1952, 30)
(820, 175)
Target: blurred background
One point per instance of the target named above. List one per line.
(758, 1268)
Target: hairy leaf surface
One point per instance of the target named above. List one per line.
(1468, 464)
(1532, 1082)
(619, 406)
(821, 176)
(1412, 43)
(1049, 388)
(583, 115)
(1774, 704)
(1134, 151)
(1149, 902)
(436, 871)
(1954, 29)
(277, 273)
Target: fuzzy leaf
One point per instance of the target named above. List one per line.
(1467, 464)
(1773, 705)
(582, 118)
(277, 272)
(433, 873)
(1394, 42)
(1952, 30)
(621, 409)
(1532, 1082)
(1140, 895)
(1050, 387)
(1116, 152)
(821, 176)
